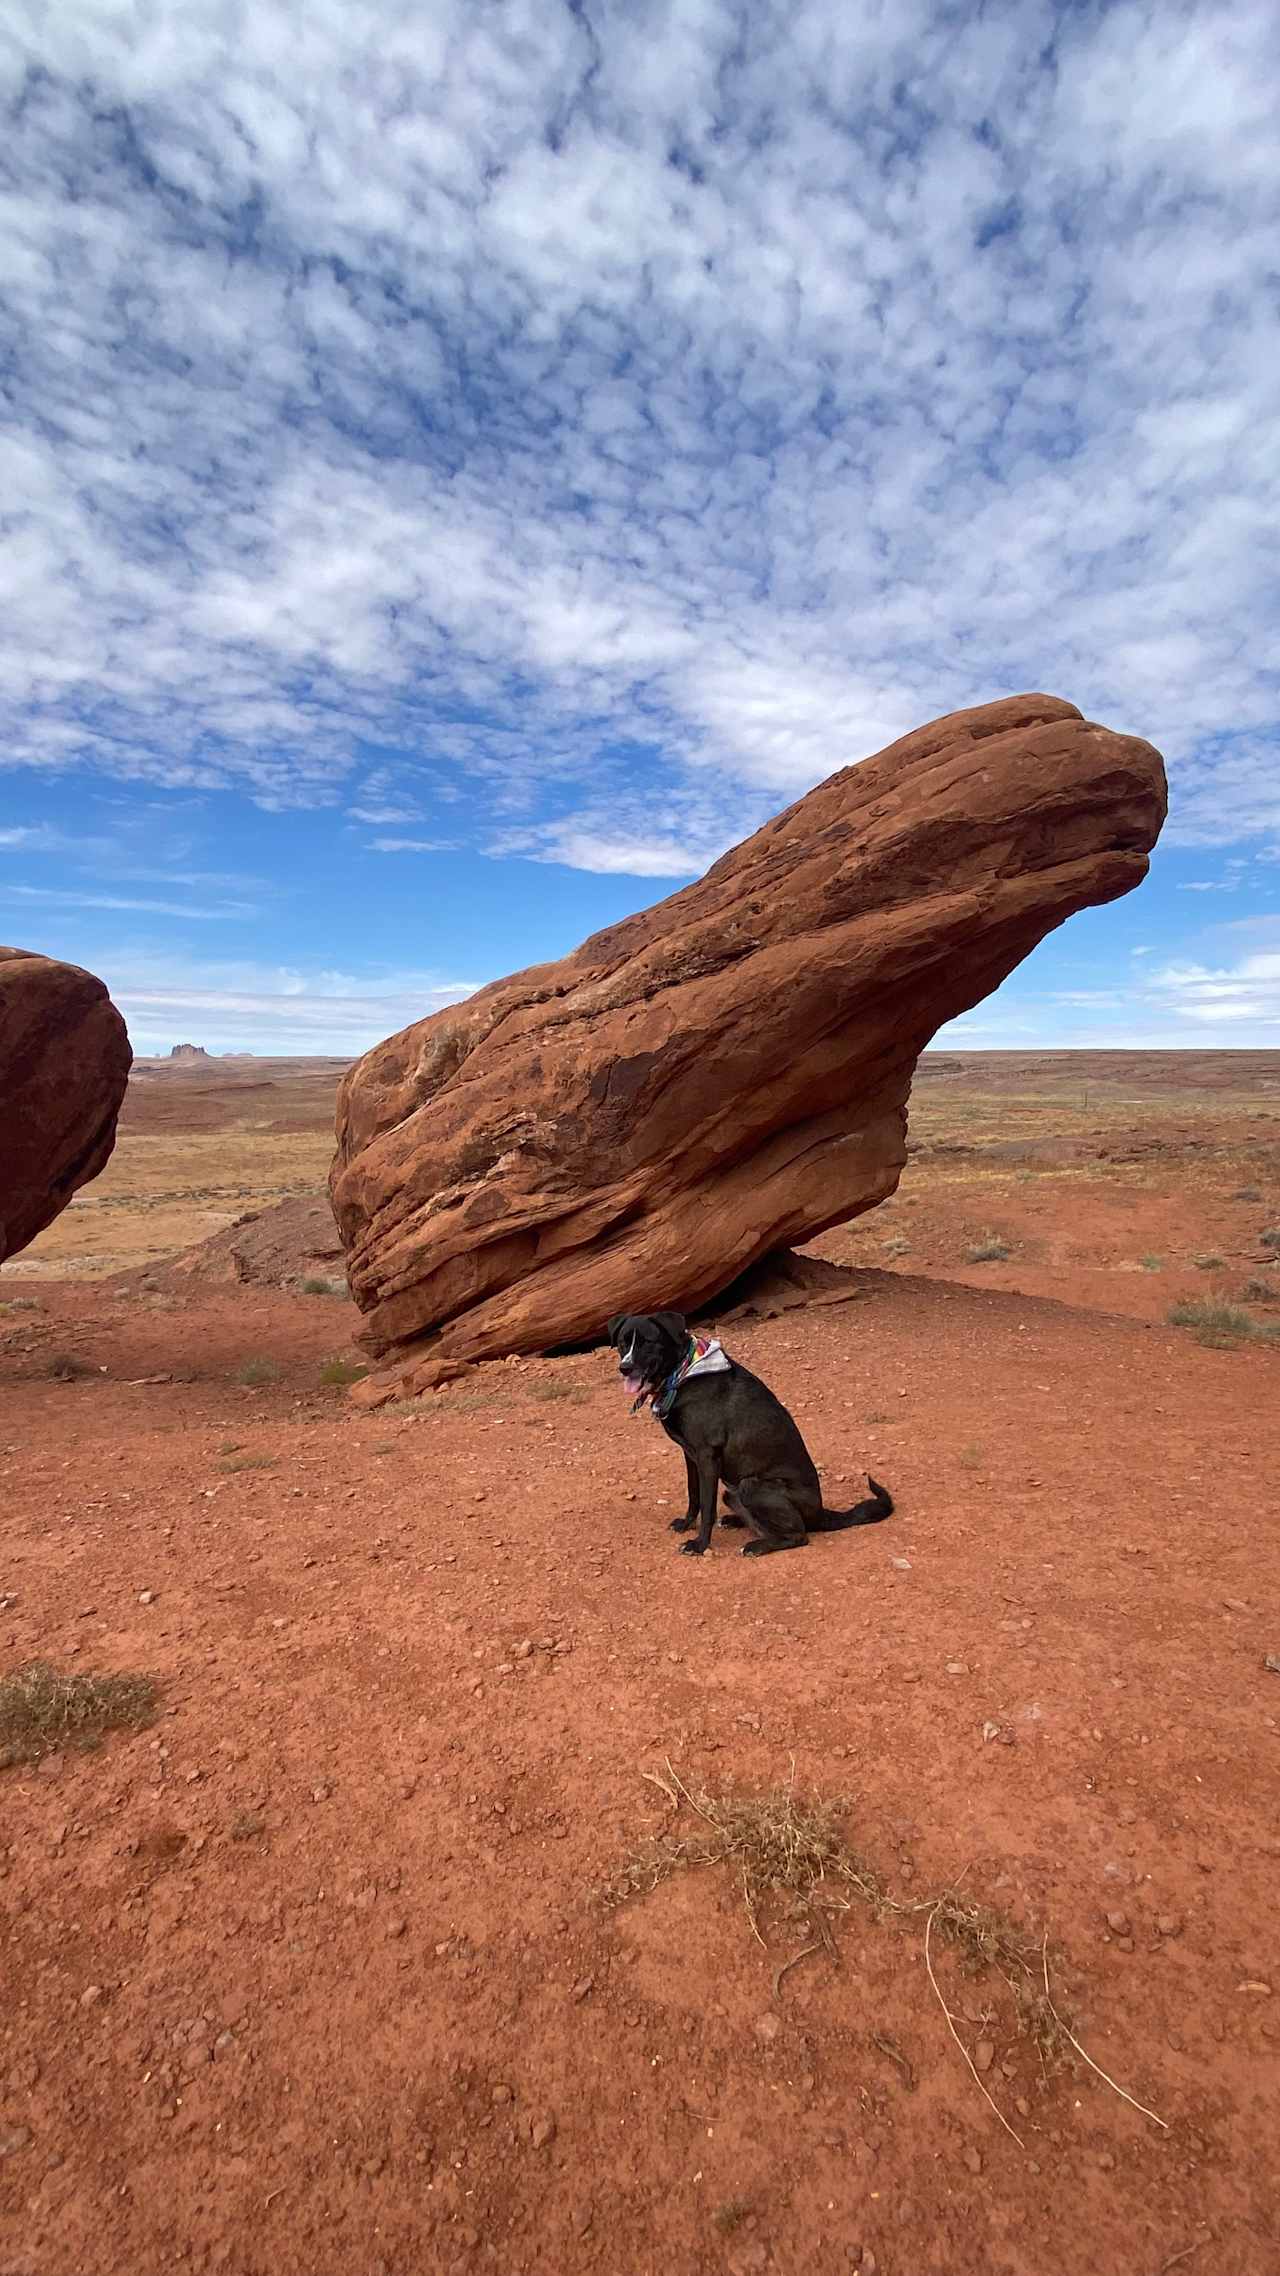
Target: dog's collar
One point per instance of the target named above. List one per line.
(704, 1356)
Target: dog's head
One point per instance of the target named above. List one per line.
(649, 1346)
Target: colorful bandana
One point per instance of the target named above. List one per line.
(703, 1357)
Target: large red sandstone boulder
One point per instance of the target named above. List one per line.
(726, 1073)
(64, 1064)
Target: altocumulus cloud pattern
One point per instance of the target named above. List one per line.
(609, 418)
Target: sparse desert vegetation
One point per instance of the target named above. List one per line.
(68, 1367)
(987, 1249)
(257, 1371)
(341, 1371)
(42, 1709)
(1215, 1322)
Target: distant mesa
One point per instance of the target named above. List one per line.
(64, 1065)
(727, 1073)
(188, 1051)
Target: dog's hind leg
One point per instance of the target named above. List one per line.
(773, 1517)
(731, 1514)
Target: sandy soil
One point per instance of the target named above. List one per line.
(321, 1974)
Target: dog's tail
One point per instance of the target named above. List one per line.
(862, 1513)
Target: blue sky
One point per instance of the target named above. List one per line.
(461, 468)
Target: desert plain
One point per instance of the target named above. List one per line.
(388, 1944)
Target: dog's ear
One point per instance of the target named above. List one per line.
(615, 1323)
(673, 1324)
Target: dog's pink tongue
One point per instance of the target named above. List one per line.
(633, 1383)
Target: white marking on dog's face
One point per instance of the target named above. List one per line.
(627, 1358)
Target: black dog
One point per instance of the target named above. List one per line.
(731, 1430)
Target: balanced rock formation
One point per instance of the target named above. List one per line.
(726, 1073)
(64, 1064)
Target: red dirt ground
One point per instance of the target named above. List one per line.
(315, 1975)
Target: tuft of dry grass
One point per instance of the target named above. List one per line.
(20, 1304)
(341, 1371)
(41, 1710)
(1271, 1239)
(989, 1250)
(729, 2216)
(1218, 1325)
(791, 1862)
(1210, 1264)
(68, 1367)
(574, 1394)
(779, 1849)
(256, 1372)
(319, 1284)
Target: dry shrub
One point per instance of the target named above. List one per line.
(41, 1710)
(1216, 1323)
(256, 1372)
(791, 1861)
(338, 1373)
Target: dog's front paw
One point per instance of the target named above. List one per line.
(683, 1524)
(692, 1549)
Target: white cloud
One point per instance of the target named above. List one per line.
(1225, 996)
(41, 838)
(229, 1006)
(1181, 1003)
(513, 391)
(53, 897)
(409, 845)
(634, 834)
(610, 856)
